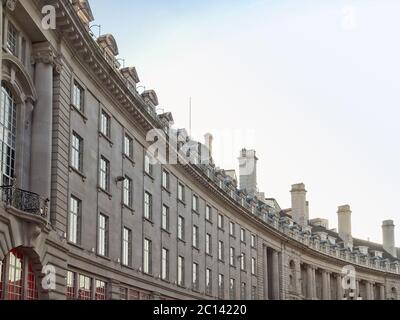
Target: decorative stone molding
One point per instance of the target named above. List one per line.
(11, 4)
(43, 52)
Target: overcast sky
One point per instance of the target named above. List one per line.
(312, 86)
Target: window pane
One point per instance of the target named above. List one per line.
(12, 39)
(127, 192)
(76, 152)
(165, 264)
(147, 205)
(165, 218)
(7, 135)
(103, 235)
(85, 288)
(147, 256)
(74, 221)
(105, 124)
(70, 285)
(127, 247)
(100, 293)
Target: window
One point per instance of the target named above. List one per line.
(127, 192)
(221, 250)
(128, 146)
(74, 220)
(242, 235)
(76, 152)
(8, 130)
(243, 291)
(147, 256)
(78, 97)
(32, 290)
(195, 238)
(195, 276)
(208, 213)
(23, 52)
(232, 256)
(123, 293)
(148, 205)
(181, 271)
(208, 282)
(220, 221)
(208, 243)
(243, 261)
(181, 192)
(181, 228)
(85, 288)
(127, 247)
(165, 218)
(100, 293)
(253, 265)
(105, 121)
(103, 235)
(195, 203)
(220, 286)
(12, 39)
(165, 180)
(253, 241)
(165, 264)
(232, 289)
(104, 174)
(71, 285)
(253, 293)
(232, 228)
(148, 167)
(15, 276)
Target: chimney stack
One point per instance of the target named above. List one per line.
(344, 222)
(299, 204)
(248, 171)
(208, 142)
(388, 237)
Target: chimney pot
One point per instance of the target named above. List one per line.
(248, 171)
(344, 222)
(388, 237)
(299, 204)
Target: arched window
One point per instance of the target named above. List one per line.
(17, 279)
(8, 129)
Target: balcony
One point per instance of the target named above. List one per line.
(25, 201)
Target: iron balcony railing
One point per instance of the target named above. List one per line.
(25, 201)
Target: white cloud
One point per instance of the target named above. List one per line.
(349, 19)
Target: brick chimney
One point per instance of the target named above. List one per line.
(388, 237)
(299, 204)
(248, 171)
(344, 222)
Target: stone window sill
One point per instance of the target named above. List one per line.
(79, 173)
(100, 189)
(128, 208)
(148, 220)
(81, 114)
(130, 159)
(102, 135)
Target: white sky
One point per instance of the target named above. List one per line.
(313, 86)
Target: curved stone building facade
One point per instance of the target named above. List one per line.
(86, 214)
